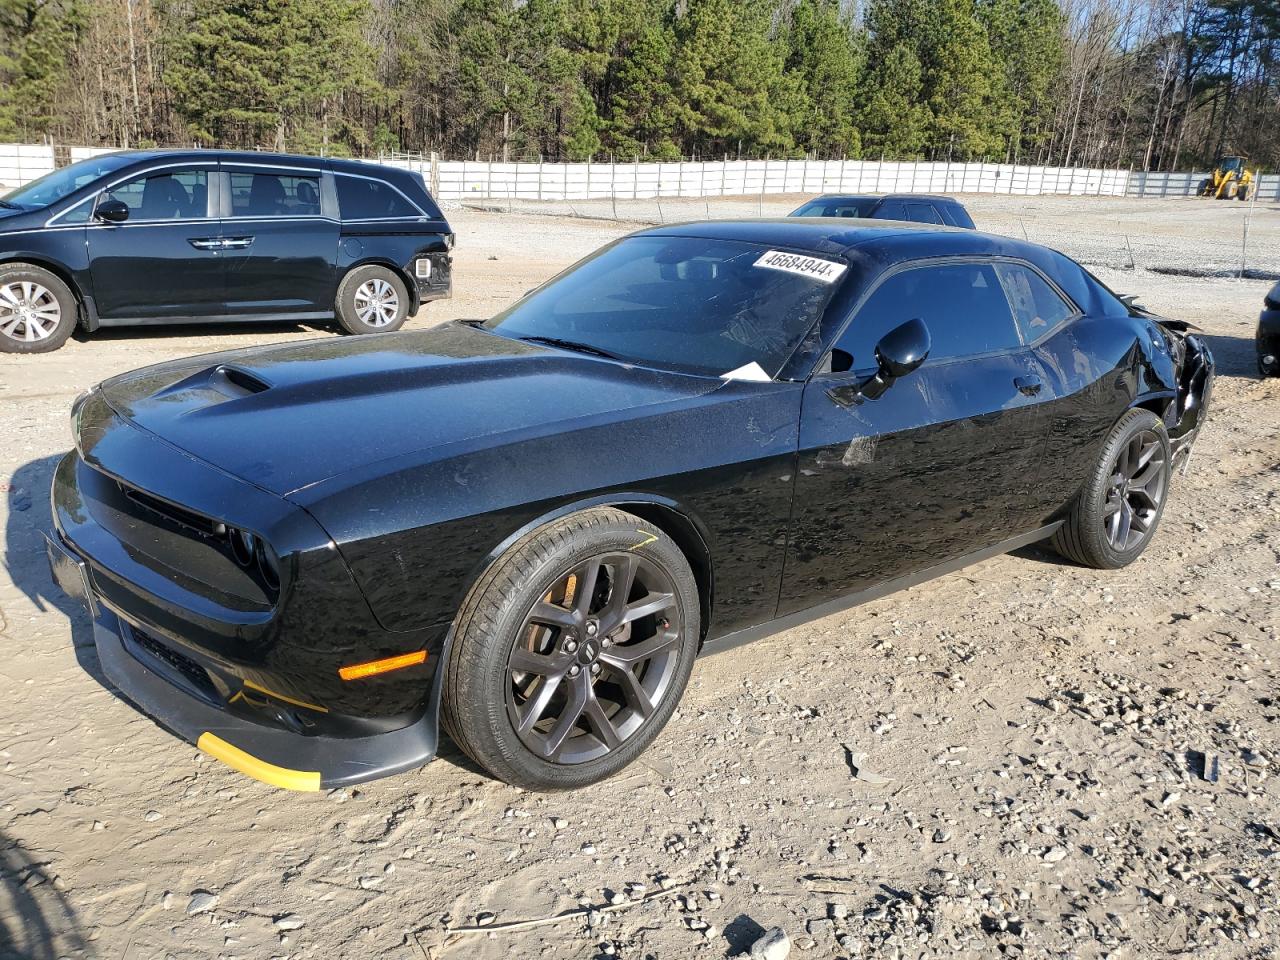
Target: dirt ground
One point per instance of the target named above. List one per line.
(1047, 729)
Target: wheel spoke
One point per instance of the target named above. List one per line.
(1111, 508)
(588, 575)
(628, 655)
(579, 691)
(11, 327)
(542, 664)
(649, 604)
(10, 293)
(600, 723)
(1141, 493)
(1136, 521)
(637, 696)
(549, 613)
(1126, 522)
(624, 576)
(537, 704)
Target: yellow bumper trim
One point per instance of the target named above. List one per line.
(251, 766)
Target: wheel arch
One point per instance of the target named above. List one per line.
(677, 522)
(415, 302)
(59, 270)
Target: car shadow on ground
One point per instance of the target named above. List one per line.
(26, 562)
(173, 331)
(1234, 357)
(37, 922)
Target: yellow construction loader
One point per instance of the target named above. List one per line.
(1231, 180)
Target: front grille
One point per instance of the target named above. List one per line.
(183, 666)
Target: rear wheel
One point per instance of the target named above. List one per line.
(1117, 510)
(372, 299)
(37, 310)
(572, 651)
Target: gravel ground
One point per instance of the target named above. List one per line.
(1018, 758)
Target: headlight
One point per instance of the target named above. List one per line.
(268, 565)
(449, 239)
(244, 546)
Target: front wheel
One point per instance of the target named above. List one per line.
(37, 310)
(1116, 512)
(372, 299)
(572, 651)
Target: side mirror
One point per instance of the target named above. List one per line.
(899, 352)
(903, 349)
(112, 211)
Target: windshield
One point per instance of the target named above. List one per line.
(684, 303)
(838, 207)
(53, 187)
(1231, 164)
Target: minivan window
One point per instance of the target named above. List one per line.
(362, 199)
(275, 195)
(164, 195)
(923, 213)
(1037, 307)
(54, 186)
(962, 304)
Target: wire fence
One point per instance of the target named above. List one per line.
(491, 180)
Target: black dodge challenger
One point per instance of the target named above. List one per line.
(306, 558)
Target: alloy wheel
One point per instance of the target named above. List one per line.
(1138, 480)
(29, 312)
(594, 658)
(377, 303)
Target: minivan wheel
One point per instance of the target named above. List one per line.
(572, 651)
(37, 310)
(372, 300)
(1117, 510)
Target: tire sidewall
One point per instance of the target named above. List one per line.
(346, 300)
(66, 303)
(514, 761)
(1133, 422)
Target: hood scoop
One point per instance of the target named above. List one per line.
(229, 381)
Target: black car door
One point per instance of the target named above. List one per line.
(164, 260)
(942, 464)
(280, 240)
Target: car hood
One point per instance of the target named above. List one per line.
(286, 417)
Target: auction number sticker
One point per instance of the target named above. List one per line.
(824, 271)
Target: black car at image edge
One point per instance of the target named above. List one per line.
(307, 558)
(210, 236)
(1268, 337)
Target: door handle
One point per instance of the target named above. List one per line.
(206, 243)
(236, 243)
(1028, 386)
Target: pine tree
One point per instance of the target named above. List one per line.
(823, 56)
(35, 36)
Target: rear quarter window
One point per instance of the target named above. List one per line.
(360, 198)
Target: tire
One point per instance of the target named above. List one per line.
(1090, 534)
(372, 299)
(504, 626)
(1243, 192)
(38, 312)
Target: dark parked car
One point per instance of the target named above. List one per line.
(1269, 334)
(911, 207)
(150, 236)
(301, 556)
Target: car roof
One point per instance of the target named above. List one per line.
(897, 239)
(246, 156)
(838, 197)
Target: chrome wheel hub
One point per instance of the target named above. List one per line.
(29, 312)
(377, 303)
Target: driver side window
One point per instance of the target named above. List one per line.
(962, 304)
(164, 195)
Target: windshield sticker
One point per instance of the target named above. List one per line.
(824, 271)
(748, 371)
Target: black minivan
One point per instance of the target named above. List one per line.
(195, 236)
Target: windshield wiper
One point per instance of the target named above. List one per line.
(10, 206)
(573, 345)
(471, 322)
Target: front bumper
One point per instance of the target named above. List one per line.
(169, 686)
